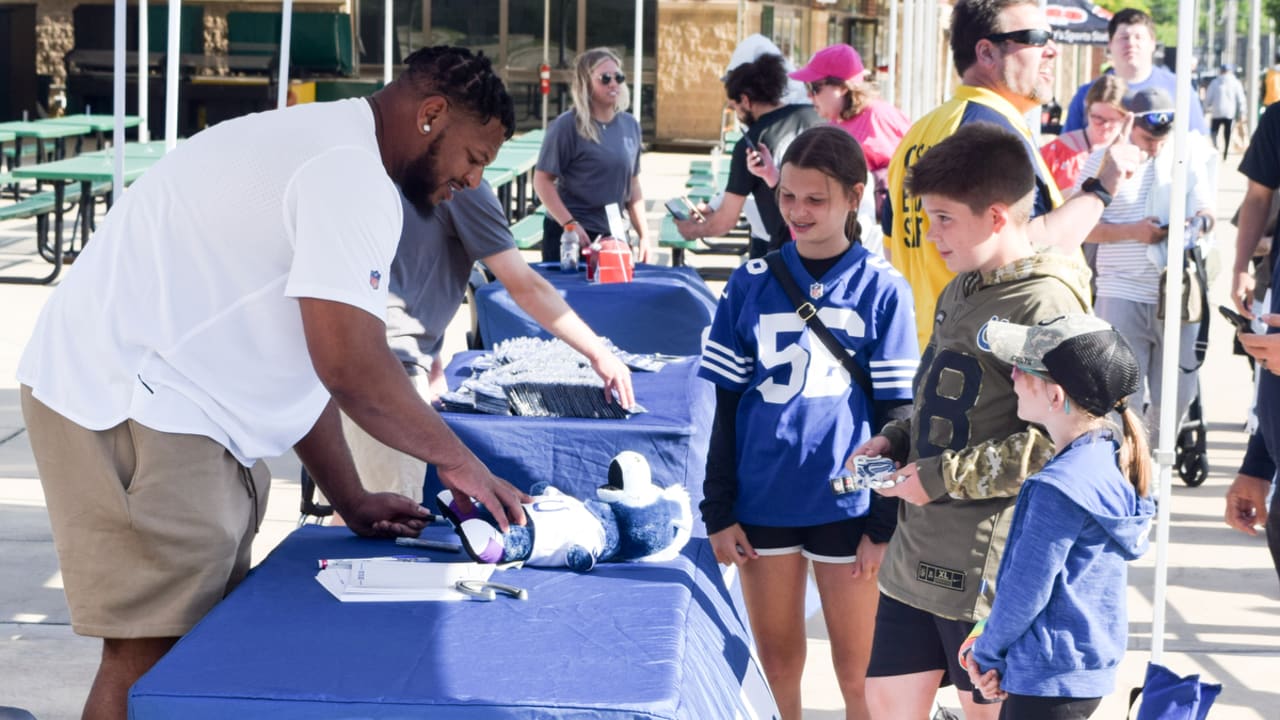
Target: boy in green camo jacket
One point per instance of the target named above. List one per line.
(964, 452)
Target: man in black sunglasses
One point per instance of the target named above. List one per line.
(1131, 46)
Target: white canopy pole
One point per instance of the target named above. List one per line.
(144, 69)
(891, 77)
(117, 98)
(171, 77)
(286, 43)
(546, 52)
(908, 52)
(1172, 320)
(636, 83)
(387, 30)
(1250, 115)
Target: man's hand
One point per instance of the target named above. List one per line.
(644, 250)
(731, 546)
(473, 480)
(908, 487)
(1121, 159)
(691, 229)
(1264, 348)
(1242, 287)
(870, 557)
(385, 515)
(1247, 504)
(1148, 231)
(617, 380)
(760, 163)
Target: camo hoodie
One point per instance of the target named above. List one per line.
(972, 450)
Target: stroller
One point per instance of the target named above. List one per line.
(1191, 452)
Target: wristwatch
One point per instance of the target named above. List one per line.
(1093, 185)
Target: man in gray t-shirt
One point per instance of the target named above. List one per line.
(428, 281)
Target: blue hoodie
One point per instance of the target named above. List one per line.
(1059, 626)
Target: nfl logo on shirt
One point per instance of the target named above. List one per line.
(815, 291)
(375, 278)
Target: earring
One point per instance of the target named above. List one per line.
(426, 128)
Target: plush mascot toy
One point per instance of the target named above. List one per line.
(632, 519)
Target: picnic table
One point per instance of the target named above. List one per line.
(86, 170)
(40, 131)
(99, 124)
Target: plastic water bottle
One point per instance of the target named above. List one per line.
(569, 252)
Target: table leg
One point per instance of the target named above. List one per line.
(522, 194)
(17, 161)
(86, 212)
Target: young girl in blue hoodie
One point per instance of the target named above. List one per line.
(1059, 625)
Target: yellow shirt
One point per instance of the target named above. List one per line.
(916, 259)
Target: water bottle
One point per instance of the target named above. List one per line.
(569, 252)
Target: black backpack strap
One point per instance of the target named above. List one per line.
(1202, 337)
(1133, 698)
(809, 314)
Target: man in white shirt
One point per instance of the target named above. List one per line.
(230, 303)
(1134, 237)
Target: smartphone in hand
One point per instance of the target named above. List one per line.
(1242, 323)
(681, 209)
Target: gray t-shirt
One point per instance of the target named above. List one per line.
(590, 175)
(431, 267)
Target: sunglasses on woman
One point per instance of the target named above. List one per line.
(606, 78)
(1034, 38)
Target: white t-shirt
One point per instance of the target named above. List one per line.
(1127, 269)
(182, 312)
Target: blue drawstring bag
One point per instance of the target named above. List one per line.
(1166, 696)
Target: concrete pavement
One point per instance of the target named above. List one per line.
(1223, 607)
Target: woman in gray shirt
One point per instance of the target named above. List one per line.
(591, 158)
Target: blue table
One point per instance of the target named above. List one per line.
(663, 310)
(574, 453)
(656, 641)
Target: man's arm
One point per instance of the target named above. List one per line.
(1250, 224)
(537, 297)
(1067, 226)
(349, 352)
(718, 221)
(323, 451)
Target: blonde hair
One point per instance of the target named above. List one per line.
(583, 70)
(861, 93)
(1134, 457)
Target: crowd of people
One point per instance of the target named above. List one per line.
(1001, 345)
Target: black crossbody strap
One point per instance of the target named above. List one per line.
(809, 314)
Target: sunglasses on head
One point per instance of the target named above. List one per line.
(1155, 119)
(1034, 38)
(606, 78)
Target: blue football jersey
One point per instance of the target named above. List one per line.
(801, 414)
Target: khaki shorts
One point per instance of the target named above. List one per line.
(152, 529)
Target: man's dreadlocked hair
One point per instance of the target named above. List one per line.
(465, 78)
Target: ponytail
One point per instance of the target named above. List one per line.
(1134, 456)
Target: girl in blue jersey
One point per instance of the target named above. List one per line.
(788, 413)
(1059, 627)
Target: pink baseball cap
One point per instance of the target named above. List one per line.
(838, 61)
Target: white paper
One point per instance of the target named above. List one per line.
(391, 581)
(617, 226)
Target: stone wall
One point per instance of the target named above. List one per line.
(696, 39)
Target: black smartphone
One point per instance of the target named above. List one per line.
(681, 209)
(751, 144)
(1242, 323)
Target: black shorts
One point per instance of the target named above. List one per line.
(909, 640)
(835, 542)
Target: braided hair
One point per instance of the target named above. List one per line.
(465, 78)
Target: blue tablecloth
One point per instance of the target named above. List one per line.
(663, 310)
(573, 454)
(624, 641)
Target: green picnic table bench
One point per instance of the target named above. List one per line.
(527, 231)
